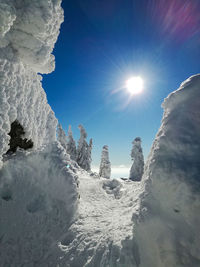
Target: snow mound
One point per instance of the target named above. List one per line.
(168, 232)
(113, 187)
(29, 30)
(38, 202)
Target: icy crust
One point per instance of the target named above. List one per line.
(22, 98)
(38, 201)
(29, 30)
(168, 233)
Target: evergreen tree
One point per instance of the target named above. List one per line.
(61, 136)
(137, 168)
(89, 155)
(71, 145)
(84, 150)
(105, 166)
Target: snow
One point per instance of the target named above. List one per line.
(84, 150)
(71, 145)
(105, 166)
(28, 32)
(119, 223)
(137, 167)
(38, 202)
(104, 222)
(168, 225)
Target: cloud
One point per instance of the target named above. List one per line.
(117, 171)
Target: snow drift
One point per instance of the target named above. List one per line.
(38, 200)
(168, 232)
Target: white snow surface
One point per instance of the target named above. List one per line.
(29, 30)
(103, 232)
(168, 232)
(38, 202)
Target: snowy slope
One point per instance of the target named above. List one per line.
(38, 202)
(104, 225)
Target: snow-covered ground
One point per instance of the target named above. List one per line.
(105, 221)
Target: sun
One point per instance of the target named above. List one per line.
(135, 85)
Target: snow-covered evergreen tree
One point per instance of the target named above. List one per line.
(105, 166)
(84, 150)
(71, 145)
(137, 168)
(61, 136)
(89, 155)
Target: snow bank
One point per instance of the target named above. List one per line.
(38, 200)
(168, 232)
(113, 187)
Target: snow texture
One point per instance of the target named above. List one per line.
(168, 232)
(105, 166)
(137, 167)
(28, 31)
(71, 145)
(102, 234)
(84, 150)
(61, 136)
(38, 201)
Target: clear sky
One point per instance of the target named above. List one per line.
(102, 44)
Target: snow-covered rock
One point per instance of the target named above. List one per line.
(168, 232)
(38, 201)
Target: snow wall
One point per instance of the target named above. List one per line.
(38, 187)
(28, 32)
(168, 225)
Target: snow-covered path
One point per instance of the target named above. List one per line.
(105, 220)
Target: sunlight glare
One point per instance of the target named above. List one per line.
(134, 85)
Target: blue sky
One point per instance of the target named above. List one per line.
(101, 45)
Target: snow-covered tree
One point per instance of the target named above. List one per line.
(84, 150)
(61, 136)
(105, 166)
(71, 145)
(89, 154)
(137, 168)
